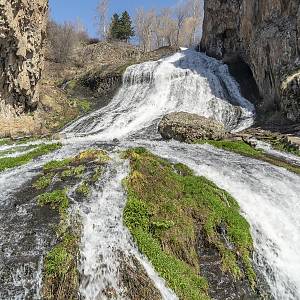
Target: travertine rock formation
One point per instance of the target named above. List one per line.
(266, 35)
(22, 35)
(186, 127)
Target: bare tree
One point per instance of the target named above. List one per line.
(181, 13)
(180, 26)
(144, 27)
(165, 28)
(64, 38)
(102, 23)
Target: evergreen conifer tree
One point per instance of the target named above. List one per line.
(126, 29)
(114, 31)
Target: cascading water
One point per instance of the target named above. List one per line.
(190, 82)
(187, 81)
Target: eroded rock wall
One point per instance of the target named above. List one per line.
(22, 36)
(266, 35)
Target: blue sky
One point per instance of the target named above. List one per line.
(69, 10)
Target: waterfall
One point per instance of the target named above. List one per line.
(186, 81)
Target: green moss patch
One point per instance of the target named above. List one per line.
(83, 189)
(57, 199)
(167, 205)
(242, 148)
(12, 162)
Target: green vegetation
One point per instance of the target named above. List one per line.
(57, 199)
(167, 205)
(75, 171)
(43, 182)
(240, 147)
(84, 105)
(83, 189)
(97, 174)
(12, 162)
(61, 276)
(56, 165)
(121, 27)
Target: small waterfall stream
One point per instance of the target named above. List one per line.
(188, 81)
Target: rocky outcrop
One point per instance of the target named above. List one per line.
(186, 127)
(266, 36)
(22, 35)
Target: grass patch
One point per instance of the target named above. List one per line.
(60, 274)
(242, 148)
(12, 162)
(83, 189)
(167, 205)
(55, 165)
(76, 171)
(43, 182)
(57, 199)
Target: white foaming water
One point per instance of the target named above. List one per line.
(106, 242)
(187, 81)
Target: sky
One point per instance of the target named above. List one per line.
(85, 10)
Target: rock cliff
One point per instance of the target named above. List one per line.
(22, 35)
(265, 35)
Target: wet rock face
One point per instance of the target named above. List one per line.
(22, 35)
(186, 127)
(265, 35)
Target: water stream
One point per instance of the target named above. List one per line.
(269, 196)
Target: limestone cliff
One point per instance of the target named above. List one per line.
(22, 35)
(264, 34)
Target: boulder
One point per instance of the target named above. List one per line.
(186, 127)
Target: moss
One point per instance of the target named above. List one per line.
(61, 276)
(57, 199)
(60, 273)
(55, 165)
(71, 85)
(239, 147)
(244, 149)
(43, 182)
(97, 174)
(74, 171)
(166, 205)
(84, 105)
(83, 189)
(98, 156)
(11, 162)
